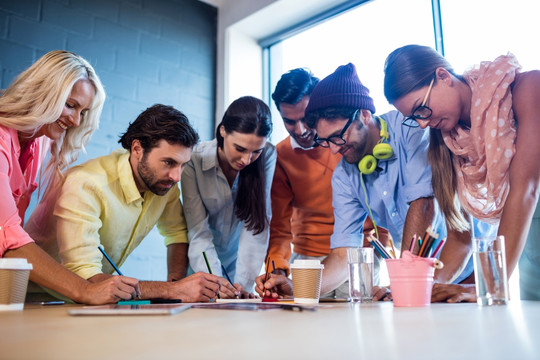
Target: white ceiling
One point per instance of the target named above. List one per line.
(261, 18)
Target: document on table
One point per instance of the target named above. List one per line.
(113, 310)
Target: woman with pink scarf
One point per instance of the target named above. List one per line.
(484, 150)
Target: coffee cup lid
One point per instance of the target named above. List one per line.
(307, 264)
(15, 264)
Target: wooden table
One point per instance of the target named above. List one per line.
(334, 331)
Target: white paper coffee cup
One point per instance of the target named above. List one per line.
(307, 277)
(14, 274)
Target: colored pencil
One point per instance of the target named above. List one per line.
(228, 278)
(266, 275)
(137, 290)
(379, 247)
(393, 251)
(110, 261)
(429, 246)
(413, 242)
(207, 263)
(439, 247)
(422, 242)
(226, 275)
(426, 243)
(209, 269)
(380, 252)
(426, 234)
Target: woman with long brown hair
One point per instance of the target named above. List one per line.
(226, 194)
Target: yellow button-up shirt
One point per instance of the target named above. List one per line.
(99, 204)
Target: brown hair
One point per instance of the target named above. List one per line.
(249, 115)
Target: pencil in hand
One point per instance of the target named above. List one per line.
(209, 269)
(110, 261)
(230, 281)
(265, 276)
(137, 289)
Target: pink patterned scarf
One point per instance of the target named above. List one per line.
(482, 155)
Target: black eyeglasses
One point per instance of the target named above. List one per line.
(422, 112)
(336, 139)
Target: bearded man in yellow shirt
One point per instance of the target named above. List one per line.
(115, 200)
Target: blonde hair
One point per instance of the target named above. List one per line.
(37, 97)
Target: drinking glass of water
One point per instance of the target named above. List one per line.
(490, 271)
(360, 261)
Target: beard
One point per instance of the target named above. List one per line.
(352, 154)
(353, 151)
(155, 185)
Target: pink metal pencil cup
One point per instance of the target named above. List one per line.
(411, 280)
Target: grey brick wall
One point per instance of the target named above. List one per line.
(144, 51)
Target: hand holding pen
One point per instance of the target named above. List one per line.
(273, 285)
(239, 291)
(226, 289)
(276, 286)
(266, 279)
(123, 287)
(199, 287)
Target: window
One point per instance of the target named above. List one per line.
(472, 31)
(364, 35)
(481, 30)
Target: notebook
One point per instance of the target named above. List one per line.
(113, 310)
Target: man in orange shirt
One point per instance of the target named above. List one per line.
(302, 212)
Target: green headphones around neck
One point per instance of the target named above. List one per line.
(381, 151)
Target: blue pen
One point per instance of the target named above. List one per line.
(110, 261)
(117, 269)
(229, 279)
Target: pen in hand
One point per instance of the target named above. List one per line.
(229, 280)
(209, 269)
(110, 261)
(270, 298)
(137, 290)
(266, 278)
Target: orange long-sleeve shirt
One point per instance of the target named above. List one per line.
(302, 210)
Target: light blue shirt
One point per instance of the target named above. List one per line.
(212, 224)
(403, 178)
(397, 182)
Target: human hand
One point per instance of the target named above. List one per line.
(381, 293)
(247, 295)
(111, 290)
(230, 291)
(276, 286)
(199, 287)
(243, 294)
(453, 293)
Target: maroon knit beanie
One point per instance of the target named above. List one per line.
(341, 89)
